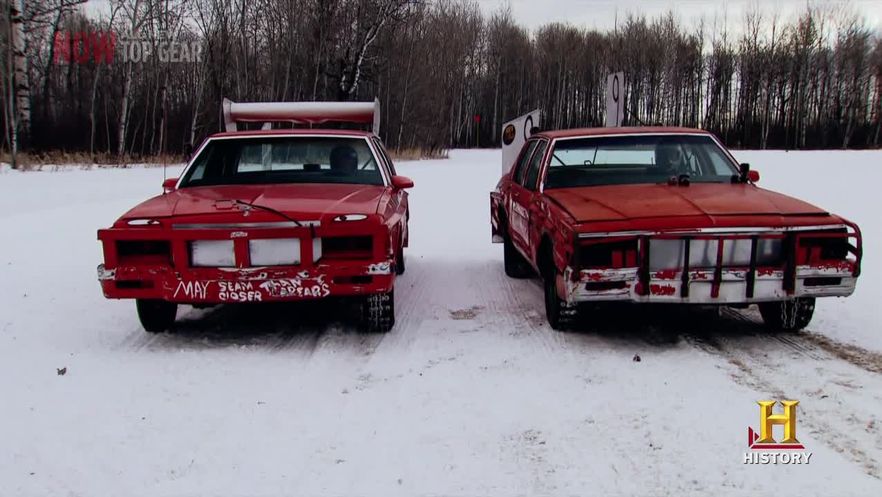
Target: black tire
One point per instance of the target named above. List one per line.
(789, 315)
(378, 312)
(156, 316)
(399, 261)
(562, 316)
(515, 264)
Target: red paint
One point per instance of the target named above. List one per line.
(700, 206)
(668, 274)
(579, 132)
(560, 215)
(846, 266)
(385, 208)
(662, 290)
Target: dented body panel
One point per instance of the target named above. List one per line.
(704, 243)
(336, 239)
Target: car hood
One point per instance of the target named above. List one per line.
(711, 200)
(304, 201)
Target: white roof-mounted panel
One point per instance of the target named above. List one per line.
(301, 113)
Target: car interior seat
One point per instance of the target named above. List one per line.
(668, 158)
(344, 160)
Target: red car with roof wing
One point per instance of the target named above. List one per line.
(268, 215)
(664, 215)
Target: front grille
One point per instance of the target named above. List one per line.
(703, 253)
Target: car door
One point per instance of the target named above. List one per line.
(512, 207)
(523, 195)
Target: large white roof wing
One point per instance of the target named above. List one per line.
(301, 113)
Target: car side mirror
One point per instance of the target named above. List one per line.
(401, 182)
(744, 173)
(169, 185)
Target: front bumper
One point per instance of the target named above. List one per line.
(734, 273)
(220, 286)
(731, 288)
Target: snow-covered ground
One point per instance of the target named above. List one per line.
(471, 394)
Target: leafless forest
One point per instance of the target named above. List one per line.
(811, 81)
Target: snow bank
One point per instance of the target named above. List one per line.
(848, 183)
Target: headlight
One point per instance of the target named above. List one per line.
(275, 252)
(350, 217)
(212, 253)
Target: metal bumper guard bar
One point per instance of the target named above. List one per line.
(791, 239)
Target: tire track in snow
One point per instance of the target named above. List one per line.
(860, 357)
(792, 366)
(412, 305)
(816, 345)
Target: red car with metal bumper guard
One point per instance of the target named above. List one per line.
(664, 215)
(268, 216)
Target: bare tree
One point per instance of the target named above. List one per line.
(447, 75)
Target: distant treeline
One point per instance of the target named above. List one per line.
(814, 81)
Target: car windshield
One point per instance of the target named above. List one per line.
(622, 160)
(293, 159)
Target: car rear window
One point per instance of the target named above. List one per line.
(298, 159)
(616, 160)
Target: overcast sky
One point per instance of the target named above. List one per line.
(601, 14)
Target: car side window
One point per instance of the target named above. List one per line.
(535, 166)
(521, 166)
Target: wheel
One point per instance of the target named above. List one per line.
(561, 315)
(788, 315)
(515, 265)
(156, 316)
(378, 312)
(399, 261)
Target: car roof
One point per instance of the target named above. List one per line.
(636, 130)
(294, 131)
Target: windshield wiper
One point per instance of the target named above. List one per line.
(248, 206)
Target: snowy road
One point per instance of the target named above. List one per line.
(471, 394)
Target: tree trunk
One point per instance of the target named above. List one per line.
(22, 85)
(122, 128)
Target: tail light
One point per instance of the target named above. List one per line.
(143, 252)
(347, 247)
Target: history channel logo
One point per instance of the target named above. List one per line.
(764, 449)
